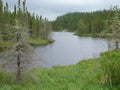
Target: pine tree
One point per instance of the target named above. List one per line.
(114, 25)
(21, 44)
(114, 22)
(20, 51)
(1, 13)
(1, 7)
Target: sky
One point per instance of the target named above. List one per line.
(53, 8)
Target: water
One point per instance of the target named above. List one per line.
(69, 49)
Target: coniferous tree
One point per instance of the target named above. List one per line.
(94, 22)
(19, 52)
(1, 14)
(114, 22)
(114, 25)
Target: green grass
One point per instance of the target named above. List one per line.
(90, 35)
(38, 41)
(94, 35)
(35, 42)
(99, 35)
(85, 75)
(4, 45)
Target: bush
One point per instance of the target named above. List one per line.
(110, 65)
(5, 78)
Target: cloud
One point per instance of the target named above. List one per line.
(53, 8)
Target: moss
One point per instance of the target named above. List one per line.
(99, 35)
(38, 41)
(34, 42)
(89, 35)
(4, 45)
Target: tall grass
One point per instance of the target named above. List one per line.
(85, 75)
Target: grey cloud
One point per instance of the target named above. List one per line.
(53, 8)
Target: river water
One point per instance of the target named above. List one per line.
(69, 49)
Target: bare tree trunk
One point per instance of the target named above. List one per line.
(18, 68)
(18, 59)
(117, 45)
(1, 39)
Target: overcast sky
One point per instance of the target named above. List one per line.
(53, 8)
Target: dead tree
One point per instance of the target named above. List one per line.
(19, 55)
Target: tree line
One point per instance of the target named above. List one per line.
(85, 22)
(17, 28)
(38, 27)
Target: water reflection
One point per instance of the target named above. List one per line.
(69, 49)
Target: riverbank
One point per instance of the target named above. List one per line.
(85, 75)
(99, 35)
(38, 41)
(4, 45)
(33, 42)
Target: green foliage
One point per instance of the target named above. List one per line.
(81, 76)
(110, 65)
(4, 45)
(38, 41)
(38, 27)
(110, 61)
(84, 23)
(114, 23)
(5, 78)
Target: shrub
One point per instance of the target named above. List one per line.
(110, 65)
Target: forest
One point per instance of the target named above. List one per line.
(85, 23)
(36, 27)
(24, 34)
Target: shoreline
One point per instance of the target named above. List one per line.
(86, 74)
(33, 42)
(97, 35)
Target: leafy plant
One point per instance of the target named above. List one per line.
(110, 65)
